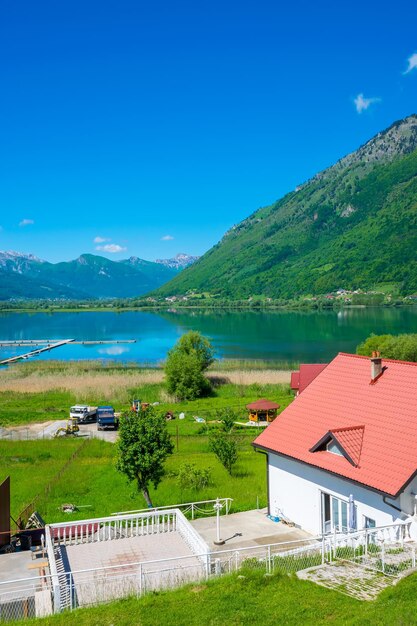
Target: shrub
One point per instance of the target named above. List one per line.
(186, 364)
(225, 448)
(191, 477)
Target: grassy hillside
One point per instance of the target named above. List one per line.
(251, 599)
(351, 226)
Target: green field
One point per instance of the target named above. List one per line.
(43, 393)
(252, 599)
(92, 481)
(30, 394)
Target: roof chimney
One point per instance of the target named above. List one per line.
(376, 366)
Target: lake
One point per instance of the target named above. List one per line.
(284, 335)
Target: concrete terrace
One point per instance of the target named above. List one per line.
(250, 528)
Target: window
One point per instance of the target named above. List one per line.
(368, 522)
(334, 448)
(334, 514)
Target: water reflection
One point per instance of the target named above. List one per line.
(285, 335)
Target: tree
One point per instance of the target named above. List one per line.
(227, 417)
(225, 448)
(143, 446)
(401, 347)
(186, 364)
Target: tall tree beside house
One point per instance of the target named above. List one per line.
(186, 364)
(143, 447)
(400, 347)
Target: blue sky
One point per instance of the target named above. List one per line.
(155, 126)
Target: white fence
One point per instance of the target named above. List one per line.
(387, 549)
(195, 509)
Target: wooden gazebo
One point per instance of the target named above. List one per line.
(262, 411)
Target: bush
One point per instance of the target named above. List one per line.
(191, 477)
(401, 347)
(227, 417)
(225, 448)
(186, 364)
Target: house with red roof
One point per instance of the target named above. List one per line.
(305, 375)
(343, 455)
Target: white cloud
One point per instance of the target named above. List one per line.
(362, 103)
(26, 222)
(111, 247)
(412, 63)
(167, 238)
(100, 239)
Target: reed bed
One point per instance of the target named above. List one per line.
(109, 384)
(106, 383)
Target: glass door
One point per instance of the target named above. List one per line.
(334, 514)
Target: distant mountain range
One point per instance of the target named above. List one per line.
(89, 276)
(179, 262)
(352, 226)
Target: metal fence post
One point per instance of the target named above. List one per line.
(192, 510)
(140, 579)
(366, 542)
(334, 544)
(323, 551)
(269, 560)
(383, 557)
(413, 557)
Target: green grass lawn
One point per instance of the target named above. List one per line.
(19, 408)
(31, 465)
(254, 599)
(23, 408)
(92, 481)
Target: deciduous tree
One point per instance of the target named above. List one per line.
(143, 446)
(186, 364)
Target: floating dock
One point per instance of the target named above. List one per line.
(49, 344)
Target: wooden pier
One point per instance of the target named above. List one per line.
(49, 344)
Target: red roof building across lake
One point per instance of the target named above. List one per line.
(352, 429)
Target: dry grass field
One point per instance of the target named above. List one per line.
(84, 380)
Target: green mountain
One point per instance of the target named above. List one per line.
(89, 276)
(352, 226)
(18, 286)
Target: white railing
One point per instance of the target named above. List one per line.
(194, 508)
(109, 528)
(191, 537)
(56, 594)
(388, 549)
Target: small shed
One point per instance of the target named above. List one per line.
(262, 411)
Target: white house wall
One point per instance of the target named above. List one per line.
(295, 489)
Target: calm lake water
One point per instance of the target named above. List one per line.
(292, 336)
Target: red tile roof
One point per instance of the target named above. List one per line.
(336, 401)
(295, 381)
(262, 405)
(350, 439)
(308, 372)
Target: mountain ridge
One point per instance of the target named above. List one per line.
(89, 276)
(326, 234)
